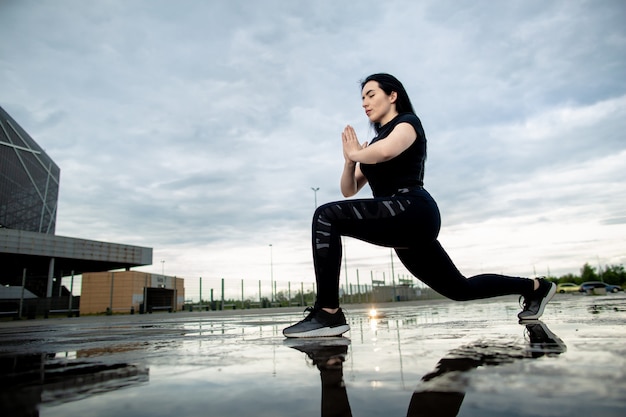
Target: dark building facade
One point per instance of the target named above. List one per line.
(29, 181)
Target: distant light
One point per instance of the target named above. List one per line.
(373, 313)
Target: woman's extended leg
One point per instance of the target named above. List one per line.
(431, 264)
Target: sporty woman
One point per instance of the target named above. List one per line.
(401, 215)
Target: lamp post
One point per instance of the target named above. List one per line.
(271, 273)
(163, 268)
(315, 190)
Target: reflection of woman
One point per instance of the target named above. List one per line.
(401, 215)
(329, 358)
(441, 392)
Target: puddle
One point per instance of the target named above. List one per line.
(465, 359)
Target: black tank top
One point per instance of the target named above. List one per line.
(405, 170)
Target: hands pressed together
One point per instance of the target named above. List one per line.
(350, 143)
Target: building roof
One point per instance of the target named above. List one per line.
(21, 249)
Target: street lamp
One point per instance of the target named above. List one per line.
(163, 268)
(315, 190)
(271, 274)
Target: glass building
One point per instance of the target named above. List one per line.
(29, 181)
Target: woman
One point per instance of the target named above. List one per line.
(401, 215)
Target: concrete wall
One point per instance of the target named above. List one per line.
(385, 293)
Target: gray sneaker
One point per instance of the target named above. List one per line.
(319, 323)
(535, 303)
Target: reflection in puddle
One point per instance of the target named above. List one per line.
(599, 308)
(108, 350)
(31, 380)
(440, 393)
(328, 354)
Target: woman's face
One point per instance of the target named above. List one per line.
(379, 107)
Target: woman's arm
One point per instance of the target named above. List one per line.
(401, 137)
(352, 179)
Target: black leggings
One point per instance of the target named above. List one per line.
(410, 224)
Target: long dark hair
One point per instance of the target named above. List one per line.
(388, 83)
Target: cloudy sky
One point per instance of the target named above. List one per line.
(199, 128)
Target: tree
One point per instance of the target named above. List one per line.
(588, 273)
(568, 278)
(614, 275)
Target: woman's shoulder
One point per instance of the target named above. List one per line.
(408, 118)
(411, 119)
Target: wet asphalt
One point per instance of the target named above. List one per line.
(428, 358)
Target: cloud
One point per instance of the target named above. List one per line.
(200, 130)
(570, 144)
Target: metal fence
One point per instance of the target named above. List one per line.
(40, 307)
(23, 296)
(219, 294)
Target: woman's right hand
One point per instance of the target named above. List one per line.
(352, 179)
(350, 143)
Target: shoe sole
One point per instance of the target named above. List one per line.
(555, 344)
(323, 332)
(555, 339)
(542, 306)
(317, 342)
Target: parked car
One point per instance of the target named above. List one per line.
(589, 285)
(567, 287)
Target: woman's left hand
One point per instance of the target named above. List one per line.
(350, 142)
